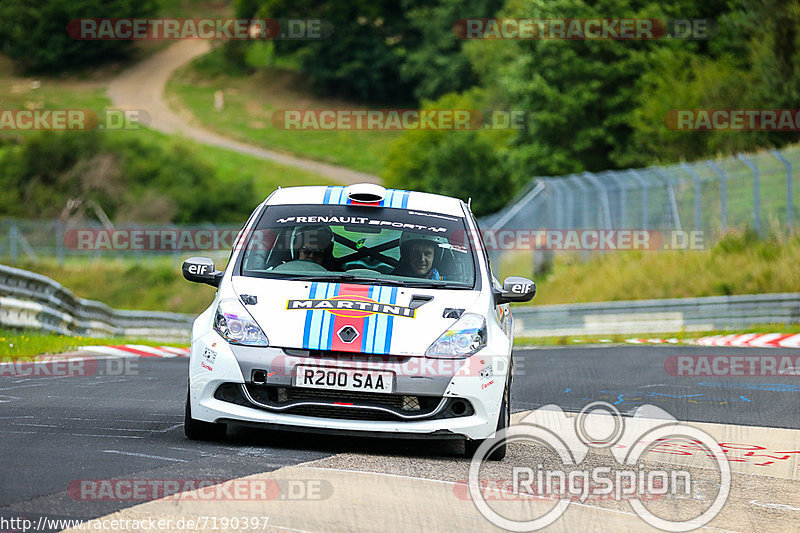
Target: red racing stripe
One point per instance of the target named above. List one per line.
(360, 292)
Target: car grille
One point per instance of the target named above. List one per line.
(350, 405)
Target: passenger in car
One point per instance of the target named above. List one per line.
(315, 243)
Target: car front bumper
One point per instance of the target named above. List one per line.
(477, 381)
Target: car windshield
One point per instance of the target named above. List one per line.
(360, 244)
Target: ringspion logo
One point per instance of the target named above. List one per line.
(569, 476)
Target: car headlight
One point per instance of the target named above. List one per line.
(236, 326)
(462, 339)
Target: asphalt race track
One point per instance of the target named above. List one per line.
(125, 422)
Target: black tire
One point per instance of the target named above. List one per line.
(199, 430)
(503, 421)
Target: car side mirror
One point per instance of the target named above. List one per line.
(201, 270)
(515, 289)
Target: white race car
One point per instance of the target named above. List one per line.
(356, 310)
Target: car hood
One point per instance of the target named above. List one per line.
(347, 317)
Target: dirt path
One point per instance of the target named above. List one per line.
(142, 87)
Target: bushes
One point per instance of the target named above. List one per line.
(129, 178)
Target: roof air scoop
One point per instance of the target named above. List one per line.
(366, 193)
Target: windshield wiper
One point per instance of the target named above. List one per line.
(433, 283)
(354, 278)
(422, 283)
(320, 277)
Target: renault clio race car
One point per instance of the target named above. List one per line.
(357, 310)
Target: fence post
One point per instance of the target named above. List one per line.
(17, 239)
(603, 197)
(585, 194)
(789, 201)
(673, 204)
(645, 193)
(60, 242)
(756, 192)
(623, 198)
(723, 185)
(698, 224)
(558, 219)
(569, 206)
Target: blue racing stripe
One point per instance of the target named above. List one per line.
(390, 322)
(317, 319)
(335, 195)
(325, 326)
(331, 319)
(382, 323)
(309, 313)
(367, 325)
(376, 323)
(397, 199)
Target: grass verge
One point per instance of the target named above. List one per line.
(740, 263)
(249, 101)
(24, 345)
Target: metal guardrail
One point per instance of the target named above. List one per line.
(657, 316)
(34, 301)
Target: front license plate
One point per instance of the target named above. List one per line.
(342, 379)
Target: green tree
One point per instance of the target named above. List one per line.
(363, 57)
(33, 33)
(437, 65)
(464, 164)
(579, 95)
(686, 81)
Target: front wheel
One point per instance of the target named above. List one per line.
(504, 420)
(199, 430)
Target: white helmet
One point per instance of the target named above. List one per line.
(410, 236)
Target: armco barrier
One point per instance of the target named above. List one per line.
(34, 301)
(657, 316)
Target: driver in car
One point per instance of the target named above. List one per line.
(418, 255)
(315, 243)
